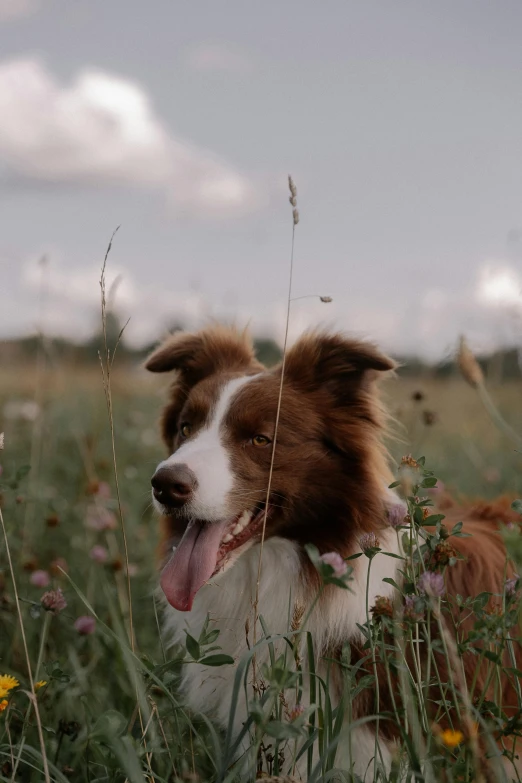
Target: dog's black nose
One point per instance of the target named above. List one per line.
(173, 485)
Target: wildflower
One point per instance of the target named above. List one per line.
(99, 518)
(432, 584)
(468, 365)
(7, 683)
(58, 565)
(368, 543)
(296, 712)
(117, 564)
(451, 737)
(426, 511)
(444, 553)
(52, 520)
(92, 487)
(334, 560)
(40, 684)
(40, 578)
(85, 625)
(382, 607)
(99, 554)
(3, 705)
(413, 608)
(408, 461)
(104, 490)
(30, 565)
(53, 601)
(396, 516)
(511, 585)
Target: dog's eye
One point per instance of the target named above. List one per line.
(260, 440)
(185, 430)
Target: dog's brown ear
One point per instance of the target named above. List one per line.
(195, 357)
(335, 362)
(201, 354)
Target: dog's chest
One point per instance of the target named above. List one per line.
(283, 593)
(229, 600)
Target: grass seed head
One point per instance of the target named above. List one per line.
(468, 365)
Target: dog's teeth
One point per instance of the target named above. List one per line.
(227, 538)
(242, 522)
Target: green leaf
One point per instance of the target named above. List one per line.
(429, 482)
(111, 724)
(514, 671)
(517, 506)
(432, 520)
(217, 660)
(280, 730)
(392, 582)
(492, 656)
(209, 638)
(193, 647)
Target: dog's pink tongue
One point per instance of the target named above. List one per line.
(192, 564)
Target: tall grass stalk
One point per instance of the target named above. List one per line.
(106, 365)
(32, 694)
(295, 220)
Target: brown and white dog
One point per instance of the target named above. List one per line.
(329, 486)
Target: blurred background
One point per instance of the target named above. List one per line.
(401, 124)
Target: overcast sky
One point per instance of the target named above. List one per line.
(400, 121)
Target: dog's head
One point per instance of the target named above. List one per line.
(220, 429)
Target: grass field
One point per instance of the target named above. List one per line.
(62, 516)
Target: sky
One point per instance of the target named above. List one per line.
(179, 122)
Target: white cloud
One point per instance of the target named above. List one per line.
(11, 9)
(103, 129)
(72, 301)
(429, 327)
(216, 57)
(500, 285)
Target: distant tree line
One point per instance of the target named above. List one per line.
(502, 365)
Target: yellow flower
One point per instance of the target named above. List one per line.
(3, 692)
(451, 738)
(3, 705)
(7, 682)
(40, 684)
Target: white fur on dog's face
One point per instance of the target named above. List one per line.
(208, 458)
